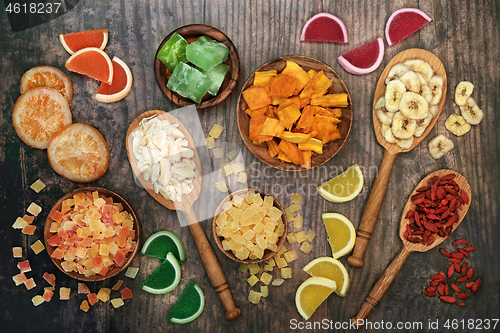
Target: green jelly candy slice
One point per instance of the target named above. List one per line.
(173, 51)
(206, 52)
(189, 82)
(164, 278)
(189, 306)
(159, 244)
(217, 75)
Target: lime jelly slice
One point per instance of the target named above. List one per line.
(217, 75)
(206, 53)
(189, 306)
(173, 52)
(189, 82)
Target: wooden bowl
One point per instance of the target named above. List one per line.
(191, 33)
(267, 253)
(331, 148)
(117, 199)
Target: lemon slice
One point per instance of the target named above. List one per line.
(311, 293)
(165, 278)
(332, 269)
(189, 306)
(341, 233)
(344, 187)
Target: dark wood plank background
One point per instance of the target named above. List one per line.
(464, 34)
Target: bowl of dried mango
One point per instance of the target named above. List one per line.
(91, 234)
(249, 226)
(294, 113)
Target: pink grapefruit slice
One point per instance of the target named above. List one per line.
(92, 62)
(122, 83)
(76, 41)
(403, 23)
(363, 59)
(324, 27)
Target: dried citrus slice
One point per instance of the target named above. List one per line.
(344, 187)
(165, 278)
(311, 293)
(92, 62)
(324, 27)
(50, 77)
(76, 41)
(363, 59)
(38, 114)
(79, 153)
(332, 269)
(159, 244)
(403, 23)
(122, 83)
(341, 233)
(189, 306)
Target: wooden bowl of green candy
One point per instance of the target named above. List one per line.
(197, 64)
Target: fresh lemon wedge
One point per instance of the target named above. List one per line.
(344, 187)
(311, 293)
(331, 269)
(341, 233)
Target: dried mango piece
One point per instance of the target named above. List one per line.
(270, 127)
(282, 156)
(272, 147)
(282, 85)
(307, 117)
(289, 115)
(289, 101)
(256, 124)
(256, 112)
(293, 69)
(307, 155)
(312, 144)
(216, 131)
(292, 151)
(327, 130)
(270, 111)
(295, 137)
(264, 78)
(331, 100)
(256, 97)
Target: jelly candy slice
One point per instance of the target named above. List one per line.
(206, 53)
(217, 75)
(189, 82)
(173, 52)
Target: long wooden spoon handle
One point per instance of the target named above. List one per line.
(381, 287)
(372, 210)
(212, 266)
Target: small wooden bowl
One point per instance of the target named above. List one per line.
(117, 199)
(267, 253)
(191, 33)
(331, 148)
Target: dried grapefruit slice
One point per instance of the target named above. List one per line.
(38, 114)
(50, 77)
(324, 27)
(92, 62)
(363, 59)
(122, 83)
(403, 23)
(76, 41)
(79, 153)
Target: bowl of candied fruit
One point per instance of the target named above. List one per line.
(91, 234)
(196, 64)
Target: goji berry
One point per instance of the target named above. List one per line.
(460, 241)
(448, 299)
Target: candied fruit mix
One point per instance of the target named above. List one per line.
(19, 279)
(30, 284)
(117, 285)
(47, 294)
(37, 186)
(126, 293)
(83, 289)
(34, 209)
(29, 229)
(24, 266)
(64, 293)
(20, 223)
(17, 252)
(252, 280)
(277, 282)
(37, 247)
(50, 278)
(189, 82)
(84, 306)
(103, 294)
(132, 272)
(264, 291)
(37, 300)
(93, 235)
(92, 298)
(216, 131)
(254, 297)
(117, 302)
(286, 272)
(28, 218)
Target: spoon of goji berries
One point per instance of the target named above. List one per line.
(436, 207)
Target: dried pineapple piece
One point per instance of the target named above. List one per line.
(216, 131)
(298, 222)
(266, 278)
(277, 282)
(286, 273)
(264, 291)
(290, 256)
(310, 235)
(210, 142)
(252, 280)
(254, 297)
(221, 186)
(242, 177)
(301, 236)
(218, 153)
(232, 154)
(291, 238)
(305, 247)
(297, 198)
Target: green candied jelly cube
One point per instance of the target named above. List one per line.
(217, 75)
(189, 82)
(206, 52)
(173, 51)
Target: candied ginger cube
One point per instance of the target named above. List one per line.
(237, 167)
(264, 291)
(34, 209)
(281, 262)
(243, 254)
(37, 247)
(268, 201)
(274, 213)
(297, 198)
(298, 221)
(268, 268)
(290, 256)
(282, 250)
(254, 297)
(306, 247)
(243, 268)
(253, 268)
(242, 177)
(266, 278)
(290, 237)
(277, 282)
(232, 154)
(37, 186)
(221, 186)
(226, 169)
(210, 142)
(286, 272)
(252, 280)
(218, 153)
(310, 235)
(216, 131)
(301, 236)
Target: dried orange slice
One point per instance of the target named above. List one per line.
(76, 41)
(38, 114)
(79, 153)
(92, 62)
(50, 77)
(122, 83)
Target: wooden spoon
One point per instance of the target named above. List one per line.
(382, 285)
(212, 266)
(391, 150)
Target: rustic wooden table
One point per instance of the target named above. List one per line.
(464, 34)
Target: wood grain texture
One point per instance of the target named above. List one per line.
(463, 34)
